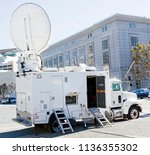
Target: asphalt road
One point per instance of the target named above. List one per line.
(139, 128)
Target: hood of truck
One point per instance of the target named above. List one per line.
(129, 95)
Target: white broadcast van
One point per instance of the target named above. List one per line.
(74, 95)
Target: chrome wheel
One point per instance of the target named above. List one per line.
(133, 113)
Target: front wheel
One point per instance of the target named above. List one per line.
(133, 113)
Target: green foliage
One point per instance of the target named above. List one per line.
(141, 68)
(3, 89)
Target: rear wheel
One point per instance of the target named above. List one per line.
(133, 113)
(53, 126)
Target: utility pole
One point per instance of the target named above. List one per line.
(127, 73)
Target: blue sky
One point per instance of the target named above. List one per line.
(71, 16)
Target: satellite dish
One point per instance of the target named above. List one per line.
(30, 27)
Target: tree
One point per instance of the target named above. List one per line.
(3, 89)
(141, 68)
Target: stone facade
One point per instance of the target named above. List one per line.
(105, 44)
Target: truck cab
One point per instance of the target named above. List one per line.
(123, 104)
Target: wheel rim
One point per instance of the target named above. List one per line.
(55, 126)
(134, 113)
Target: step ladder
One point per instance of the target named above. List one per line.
(62, 120)
(101, 119)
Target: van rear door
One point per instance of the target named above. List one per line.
(100, 91)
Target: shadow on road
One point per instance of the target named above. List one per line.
(145, 115)
(17, 133)
(35, 133)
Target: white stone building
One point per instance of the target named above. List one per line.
(8, 59)
(106, 44)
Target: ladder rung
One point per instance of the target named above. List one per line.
(67, 128)
(104, 121)
(59, 113)
(64, 123)
(61, 117)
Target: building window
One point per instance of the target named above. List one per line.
(105, 50)
(66, 59)
(132, 25)
(2, 59)
(50, 64)
(104, 28)
(134, 41)
(45, 63)
(105, 45)
(55, 62)
(105, 58)
(81, 54)
(90, 35)
(73, 57)
(60, 61)
(91, 54)
(6, 67)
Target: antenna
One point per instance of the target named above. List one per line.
(30, 30)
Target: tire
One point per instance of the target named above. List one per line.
(133, 113)
(73, 122)
(53, 126)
